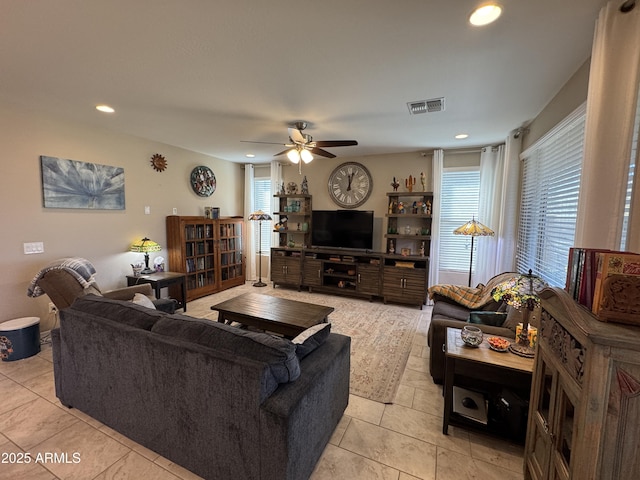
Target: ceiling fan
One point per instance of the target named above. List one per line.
(302, 147)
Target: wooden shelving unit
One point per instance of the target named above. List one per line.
(294, 212)
(209, 252)
(409, 223)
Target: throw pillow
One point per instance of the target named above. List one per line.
(514, 317)
(143, 300)
(494, 319)
(311, 339)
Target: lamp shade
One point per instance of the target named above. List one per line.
(306, 156)
(259, 215)
(475, 229)
(145, 246)
(520, 291)
(293, 155)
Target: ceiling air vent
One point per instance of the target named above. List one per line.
(426, 106)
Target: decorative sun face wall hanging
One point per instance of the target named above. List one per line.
(158, 162)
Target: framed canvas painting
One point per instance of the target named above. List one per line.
(73, 184)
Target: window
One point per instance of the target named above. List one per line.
(549, 200)
(635, 154)
(459, 203)
(262, 201)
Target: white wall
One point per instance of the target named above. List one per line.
(102, 236)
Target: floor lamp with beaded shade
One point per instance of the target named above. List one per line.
(259, 216)
(474, 229)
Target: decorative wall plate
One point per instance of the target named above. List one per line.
(203, 181)
(350, 185)
(158, 162)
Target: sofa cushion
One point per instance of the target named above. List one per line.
(495, 319)
(122, 312)
(143, 300)
(311, 339)
(514, 317)
(277, 352)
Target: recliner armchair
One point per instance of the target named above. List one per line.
(66, 279)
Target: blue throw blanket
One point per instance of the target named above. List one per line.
(79, 267)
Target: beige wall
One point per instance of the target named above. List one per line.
(102, 236)
(571, 96)
(382, 167)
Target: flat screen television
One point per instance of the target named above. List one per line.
(342, 229)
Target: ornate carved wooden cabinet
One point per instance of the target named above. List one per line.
(584, 414)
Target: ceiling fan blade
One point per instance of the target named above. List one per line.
(336, 143)
(296, 135)
(282, 152)
(268, 143)
(322, 153)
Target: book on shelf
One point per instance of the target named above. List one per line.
(613, 263)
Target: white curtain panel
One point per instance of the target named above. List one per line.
(490, 205)
(276, 185)
(250, 243)
(613, 89)
(508, 225)
(434, 264)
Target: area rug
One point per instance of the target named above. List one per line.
(381, 335)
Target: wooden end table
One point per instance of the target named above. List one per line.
(286, 317)
(488, 366)
(173, 280)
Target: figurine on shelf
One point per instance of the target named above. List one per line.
(409, 183)
(395, 184)
(292, 188)
(392, 205)
(414, 207)
(428, 207)
(400, 207)
(423, 208)
(422, 249)
(391, 247)
(305, 186)
(423, 181)
(282, 190)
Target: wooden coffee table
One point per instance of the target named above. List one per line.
(286, 317)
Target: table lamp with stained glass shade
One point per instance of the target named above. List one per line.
(259, 216)
(145, 246)
(521, 293)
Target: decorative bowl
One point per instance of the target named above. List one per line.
(471, 336)
(498, 344)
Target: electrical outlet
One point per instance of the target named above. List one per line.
(52, 308)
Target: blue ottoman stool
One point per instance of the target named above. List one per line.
(19, 338)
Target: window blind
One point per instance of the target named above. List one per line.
(459, 203)
(549, 200)
(632, 167)
(262, 201)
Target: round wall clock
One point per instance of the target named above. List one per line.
(350, 185)
(203, 181)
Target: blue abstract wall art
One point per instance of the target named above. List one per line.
(73, 184)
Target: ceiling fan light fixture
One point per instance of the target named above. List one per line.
(293, 155)
(306, 156)
(485, 14)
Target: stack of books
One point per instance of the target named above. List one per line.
(589, 268)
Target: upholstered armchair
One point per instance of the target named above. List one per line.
(66, 279)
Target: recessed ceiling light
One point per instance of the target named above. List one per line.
(104, 109)
(485, 14)
(460, 136)
(250, 155)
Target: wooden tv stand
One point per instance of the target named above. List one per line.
(357, 273)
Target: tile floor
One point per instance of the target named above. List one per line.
(399, 441)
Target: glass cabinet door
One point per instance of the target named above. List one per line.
(563, 435)
(545, 378)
